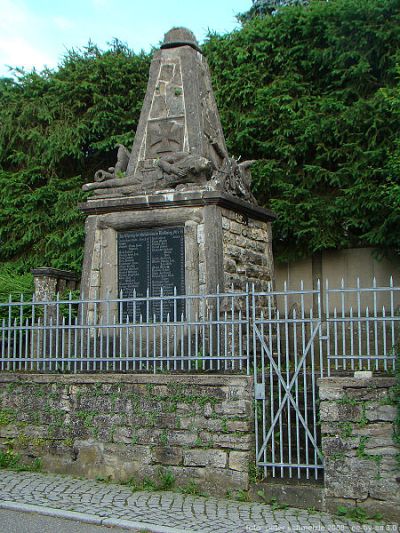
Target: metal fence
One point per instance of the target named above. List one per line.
(318, 332)
(164, 333)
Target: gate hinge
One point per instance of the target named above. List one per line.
(259, 391)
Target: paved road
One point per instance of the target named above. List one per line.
(22, 522)
(168, 512)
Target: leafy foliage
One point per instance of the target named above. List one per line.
(313, 93)
(268, 7)
(57, 129)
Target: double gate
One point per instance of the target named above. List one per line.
(298, 337)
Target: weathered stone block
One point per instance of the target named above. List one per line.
(381, 412)
(349, 477)
(340, 412)
(239, 461)
(167, 455)
(208, 457)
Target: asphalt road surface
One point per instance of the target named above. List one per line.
(21, 522)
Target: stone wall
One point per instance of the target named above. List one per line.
(197, 428)
(361, 459)
(247, 245)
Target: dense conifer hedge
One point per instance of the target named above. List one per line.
(313, 92)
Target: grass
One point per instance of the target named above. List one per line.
(12, 461)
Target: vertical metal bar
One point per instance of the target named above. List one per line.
(196, 340)
(121, 323)
(147, 328)
(95, 332)
(375, 325)
(161, 327)
(134, 334)
(26, 356)
(183, 341)
(210, 338)
(305, 384)
(256, 402)
(367, 338)
(343, 325)
(57, 325)
(63, 344)
(217, 318)
(76, 345)
(49, 327)
(168, 342)
(271, 375)
(14, 365)
(81, 333)
(154, 344)
(107, 325)
(287, 363)
(240, 340)
(69, 348)
(33, 319)
(233, 347)
(127, 344)
(279, 356)
(226, 343)
(21, 318)
(38, 345)
(203, 329)
(101, 340)
(296, 390)
(351, 338)
(263, 373)
(392, 317)
(9, 331)
(3, 343)
(175, 327)
(247, 329)
(328, 332)
(359, 330)
(384, 338)
(314, 402)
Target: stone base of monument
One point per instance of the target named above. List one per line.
(193, 243)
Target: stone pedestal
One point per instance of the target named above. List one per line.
(227, 241)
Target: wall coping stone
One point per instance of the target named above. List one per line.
(57, 273)
(176, 199)
(345, 382)
(195, 379)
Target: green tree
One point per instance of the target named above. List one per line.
(312, 94)
(57, 128)
(268, 7)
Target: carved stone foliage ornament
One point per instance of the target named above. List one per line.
(179, 142)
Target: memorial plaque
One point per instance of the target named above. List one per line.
(152, 259)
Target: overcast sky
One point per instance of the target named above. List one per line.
(35, 33)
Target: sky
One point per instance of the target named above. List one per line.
(37, 33)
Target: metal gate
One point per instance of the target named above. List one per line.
(299, 336)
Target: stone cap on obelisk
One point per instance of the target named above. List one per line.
(179, 144)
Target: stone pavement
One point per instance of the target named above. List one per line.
(116, 505)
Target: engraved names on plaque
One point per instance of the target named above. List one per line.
(152, 259)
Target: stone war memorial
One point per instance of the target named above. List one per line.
(176, 211)
(181, 364)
